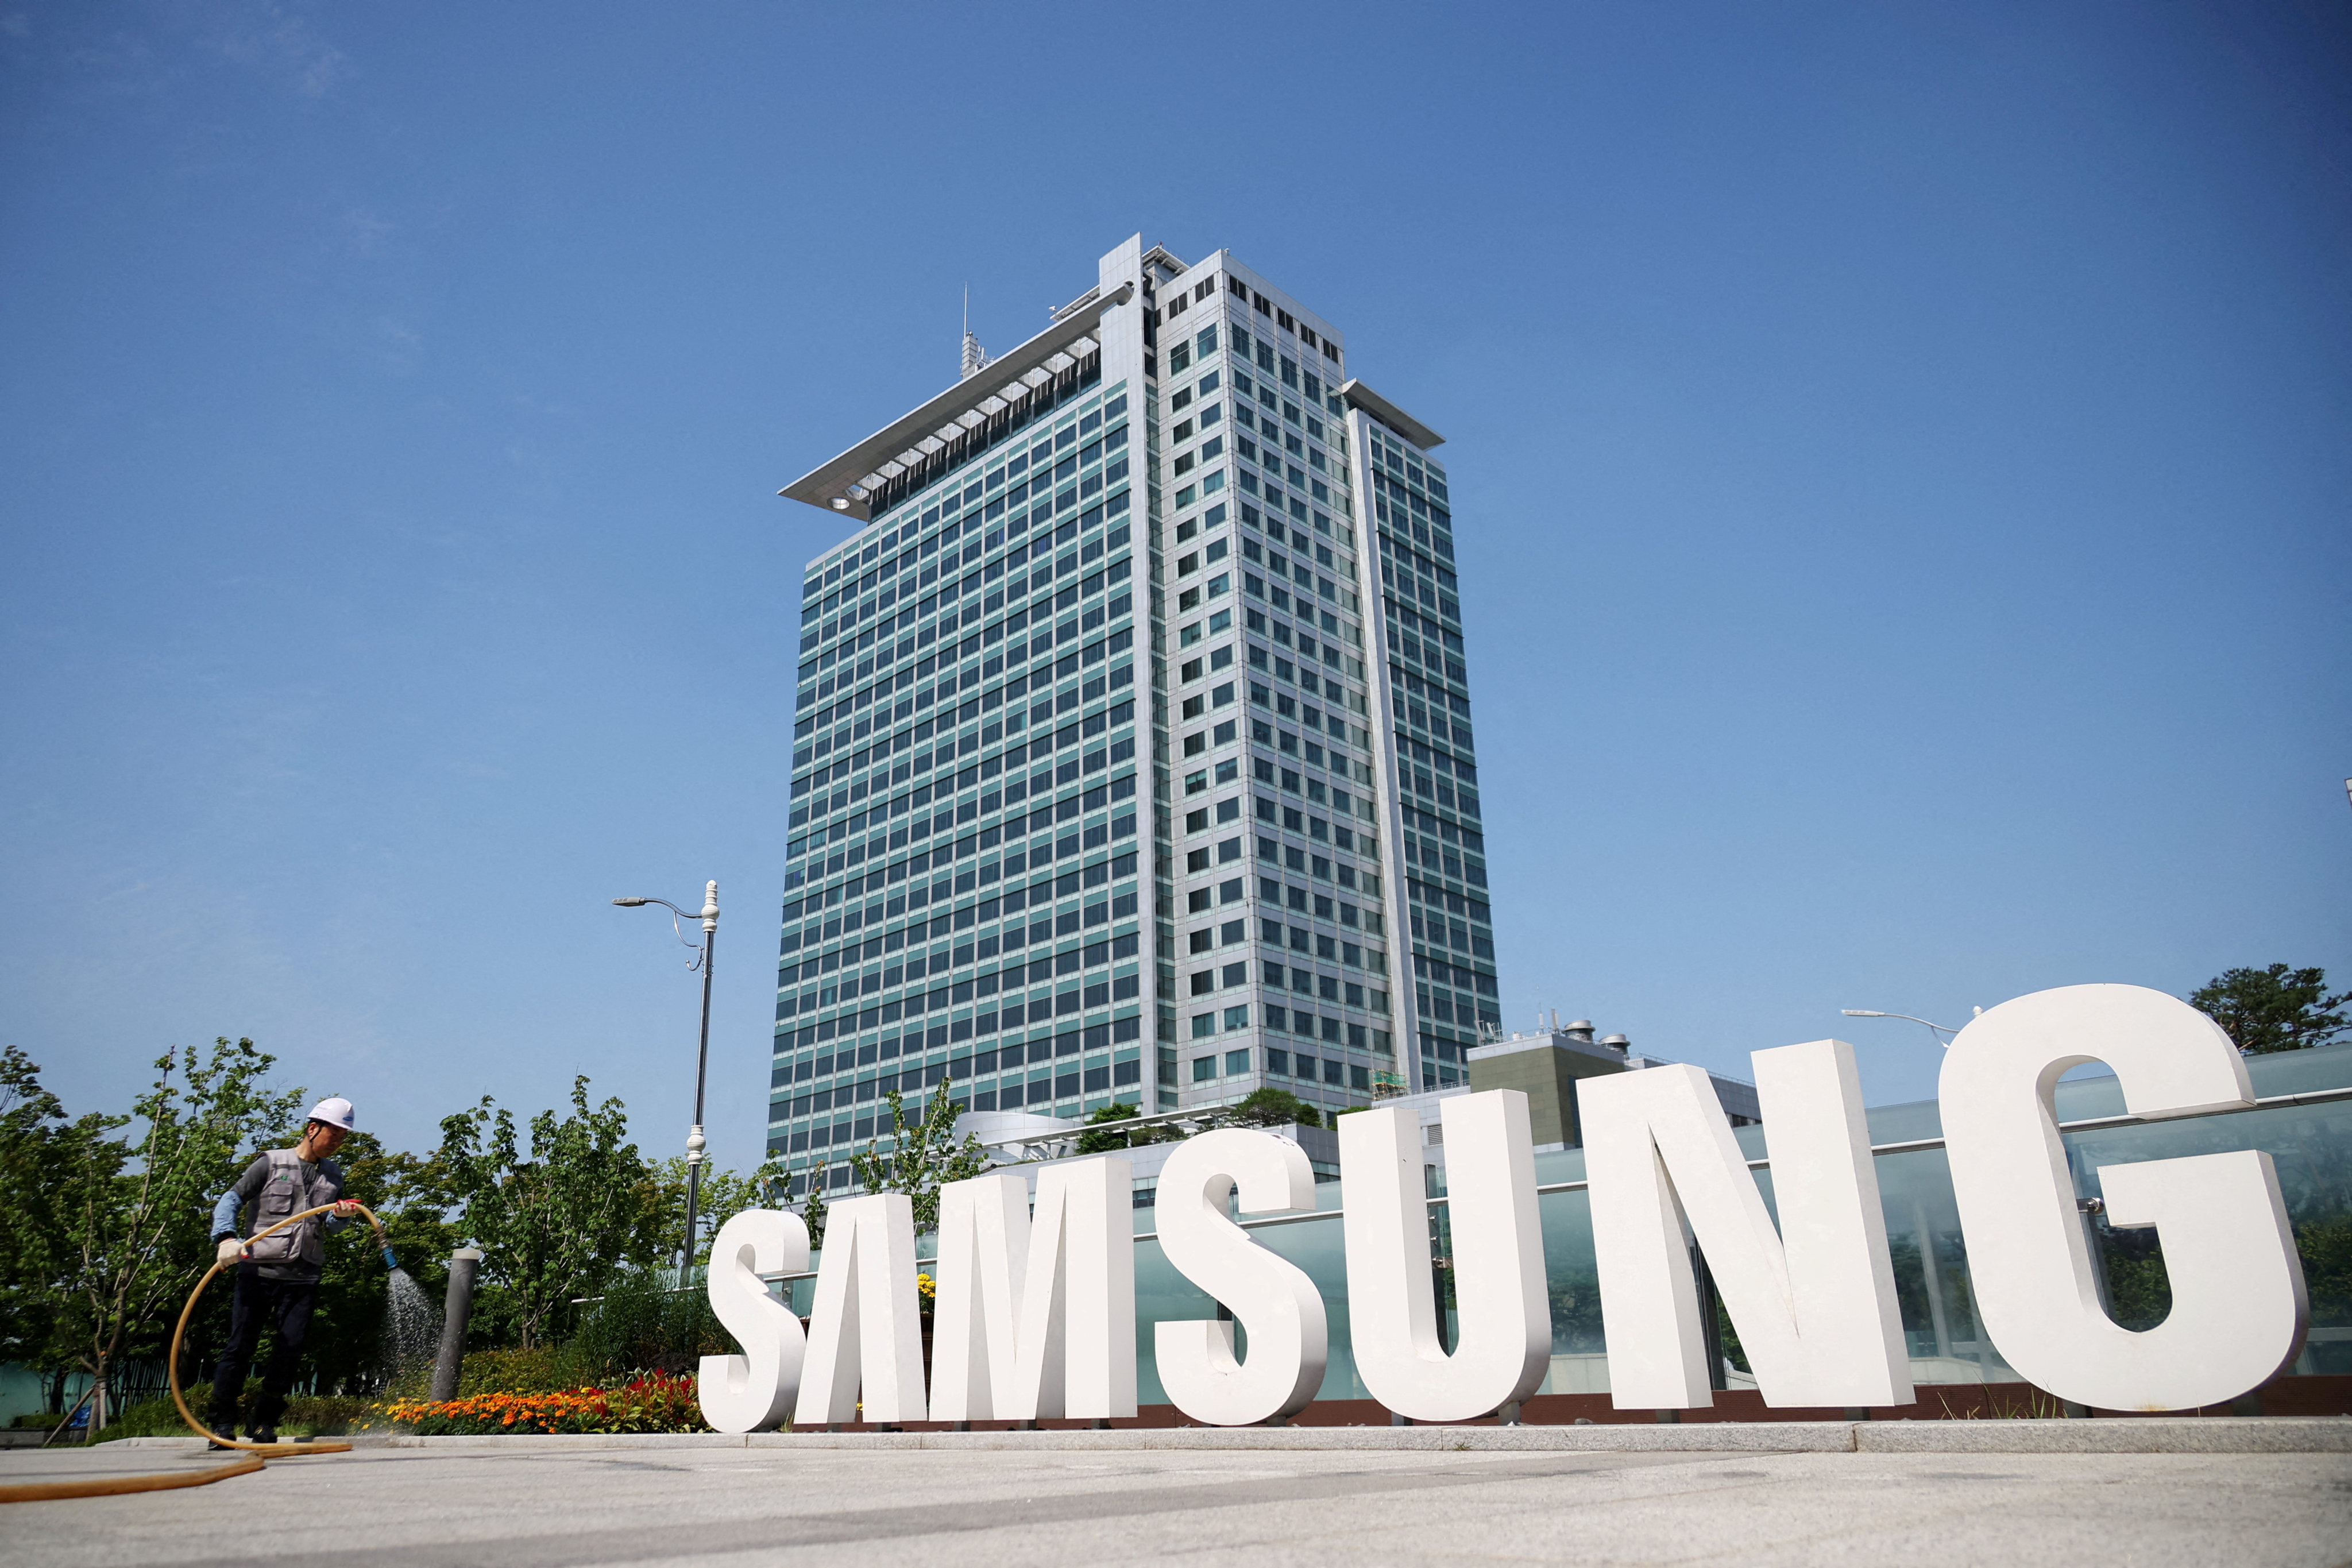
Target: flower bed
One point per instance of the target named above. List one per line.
(653, 1404)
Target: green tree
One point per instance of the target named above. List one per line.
(923, 1156)
(36, 1141)
(722, 1195)
(552, 1226)
(138, 1214)
(2273, 1009)
(1275, 1108)
(813, 1205)
(2326, 1248)
(1111, 1137)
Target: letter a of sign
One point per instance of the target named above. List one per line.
(1272, 1297)
(866, 1332)
(2238, 1307)
(1814, 1301)
(752, 1391)
(1036, 1321)
(1503, 1348)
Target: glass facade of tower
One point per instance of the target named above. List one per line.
(1432, 754)
(1108, 638)
(963, 889)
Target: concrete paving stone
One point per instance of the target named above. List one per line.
(445, 1504)
(2133, 1434)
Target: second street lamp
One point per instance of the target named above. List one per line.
(1939, 1030)
(695, 1143)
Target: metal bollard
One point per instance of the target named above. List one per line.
(454, 1311)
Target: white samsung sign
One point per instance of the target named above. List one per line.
(1036, 1313)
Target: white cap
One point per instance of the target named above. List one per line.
(336, 1111)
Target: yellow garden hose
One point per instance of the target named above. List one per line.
(109, 1486)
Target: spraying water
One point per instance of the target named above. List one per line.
(411, 1331)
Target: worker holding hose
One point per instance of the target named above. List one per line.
(277, 1276)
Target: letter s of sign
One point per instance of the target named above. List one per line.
(2238, 1306)
(751, 1393)
(1271, 1296)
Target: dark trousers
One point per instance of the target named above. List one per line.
(283, 1304)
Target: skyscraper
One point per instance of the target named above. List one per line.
(1132, 753)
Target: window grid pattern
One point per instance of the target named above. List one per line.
(1433, 760)
(962, 873)
(1282, 972)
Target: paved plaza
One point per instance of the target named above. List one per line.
(550, 1503)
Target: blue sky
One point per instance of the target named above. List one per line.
(1901, 457)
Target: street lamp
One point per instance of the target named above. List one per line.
(695, 1143)
(1940, 1030)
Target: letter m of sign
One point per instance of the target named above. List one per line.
(1036, 1318)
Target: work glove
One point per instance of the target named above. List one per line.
(229, 1251)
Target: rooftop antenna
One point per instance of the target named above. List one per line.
(975, 358)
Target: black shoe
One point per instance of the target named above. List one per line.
(265, 1436)
(224, 1441)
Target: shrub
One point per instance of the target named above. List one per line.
(637, 1327)
(640, 1325)
(1275, 1108)
(149, 1418)
(327, 1414)
(306, 1415)
(534, 1370)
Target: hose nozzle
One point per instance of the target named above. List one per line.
(391, 1261)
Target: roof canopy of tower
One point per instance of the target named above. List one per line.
(842, 484)
(1361, 396)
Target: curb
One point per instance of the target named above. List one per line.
(2133, 1434)
(1754, 1436)
(2138, 1435)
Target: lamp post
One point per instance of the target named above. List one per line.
(1939, 1030)
(695, 1143)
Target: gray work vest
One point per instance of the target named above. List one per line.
(285, 1191)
